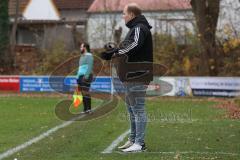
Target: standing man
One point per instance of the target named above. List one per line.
(85, 76)
(133, 61)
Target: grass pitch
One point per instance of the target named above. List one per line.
(177, 129)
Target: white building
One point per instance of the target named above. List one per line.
(229, 19)
(166, 16)
(49, 20)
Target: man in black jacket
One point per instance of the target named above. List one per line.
(133, 61)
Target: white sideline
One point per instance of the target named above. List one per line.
(186, 152)
(116, 142)
(37, 139)
(201, 153)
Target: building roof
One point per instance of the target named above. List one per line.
(60, 4)
(73, 4)
(146, 5)
(12, 6)
(34, 9)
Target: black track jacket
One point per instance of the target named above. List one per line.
(135, 56)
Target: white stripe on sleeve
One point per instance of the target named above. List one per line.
(134, 44)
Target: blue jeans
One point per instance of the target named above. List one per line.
(135, 101)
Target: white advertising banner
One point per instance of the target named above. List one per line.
(170, 86)
(196, 86)
(222, 83)
(215, 86)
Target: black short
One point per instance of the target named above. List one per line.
(85, 82)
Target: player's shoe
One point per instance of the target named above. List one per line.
(136, 148)
(89, 111)
(126, 145)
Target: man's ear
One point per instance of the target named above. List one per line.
(132, 15)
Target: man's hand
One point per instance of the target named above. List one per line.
(107, 55)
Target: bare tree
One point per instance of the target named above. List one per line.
(117, 35)
(11, 60)
(206, 13)
(14, 28)
(112, 19)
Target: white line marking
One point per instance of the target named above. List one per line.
(116, 142)
(38, 138)
(185, 152)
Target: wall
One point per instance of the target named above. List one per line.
(229, 17)
(73, 14)
(160, 86)
(100, 25)
(41, 10)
